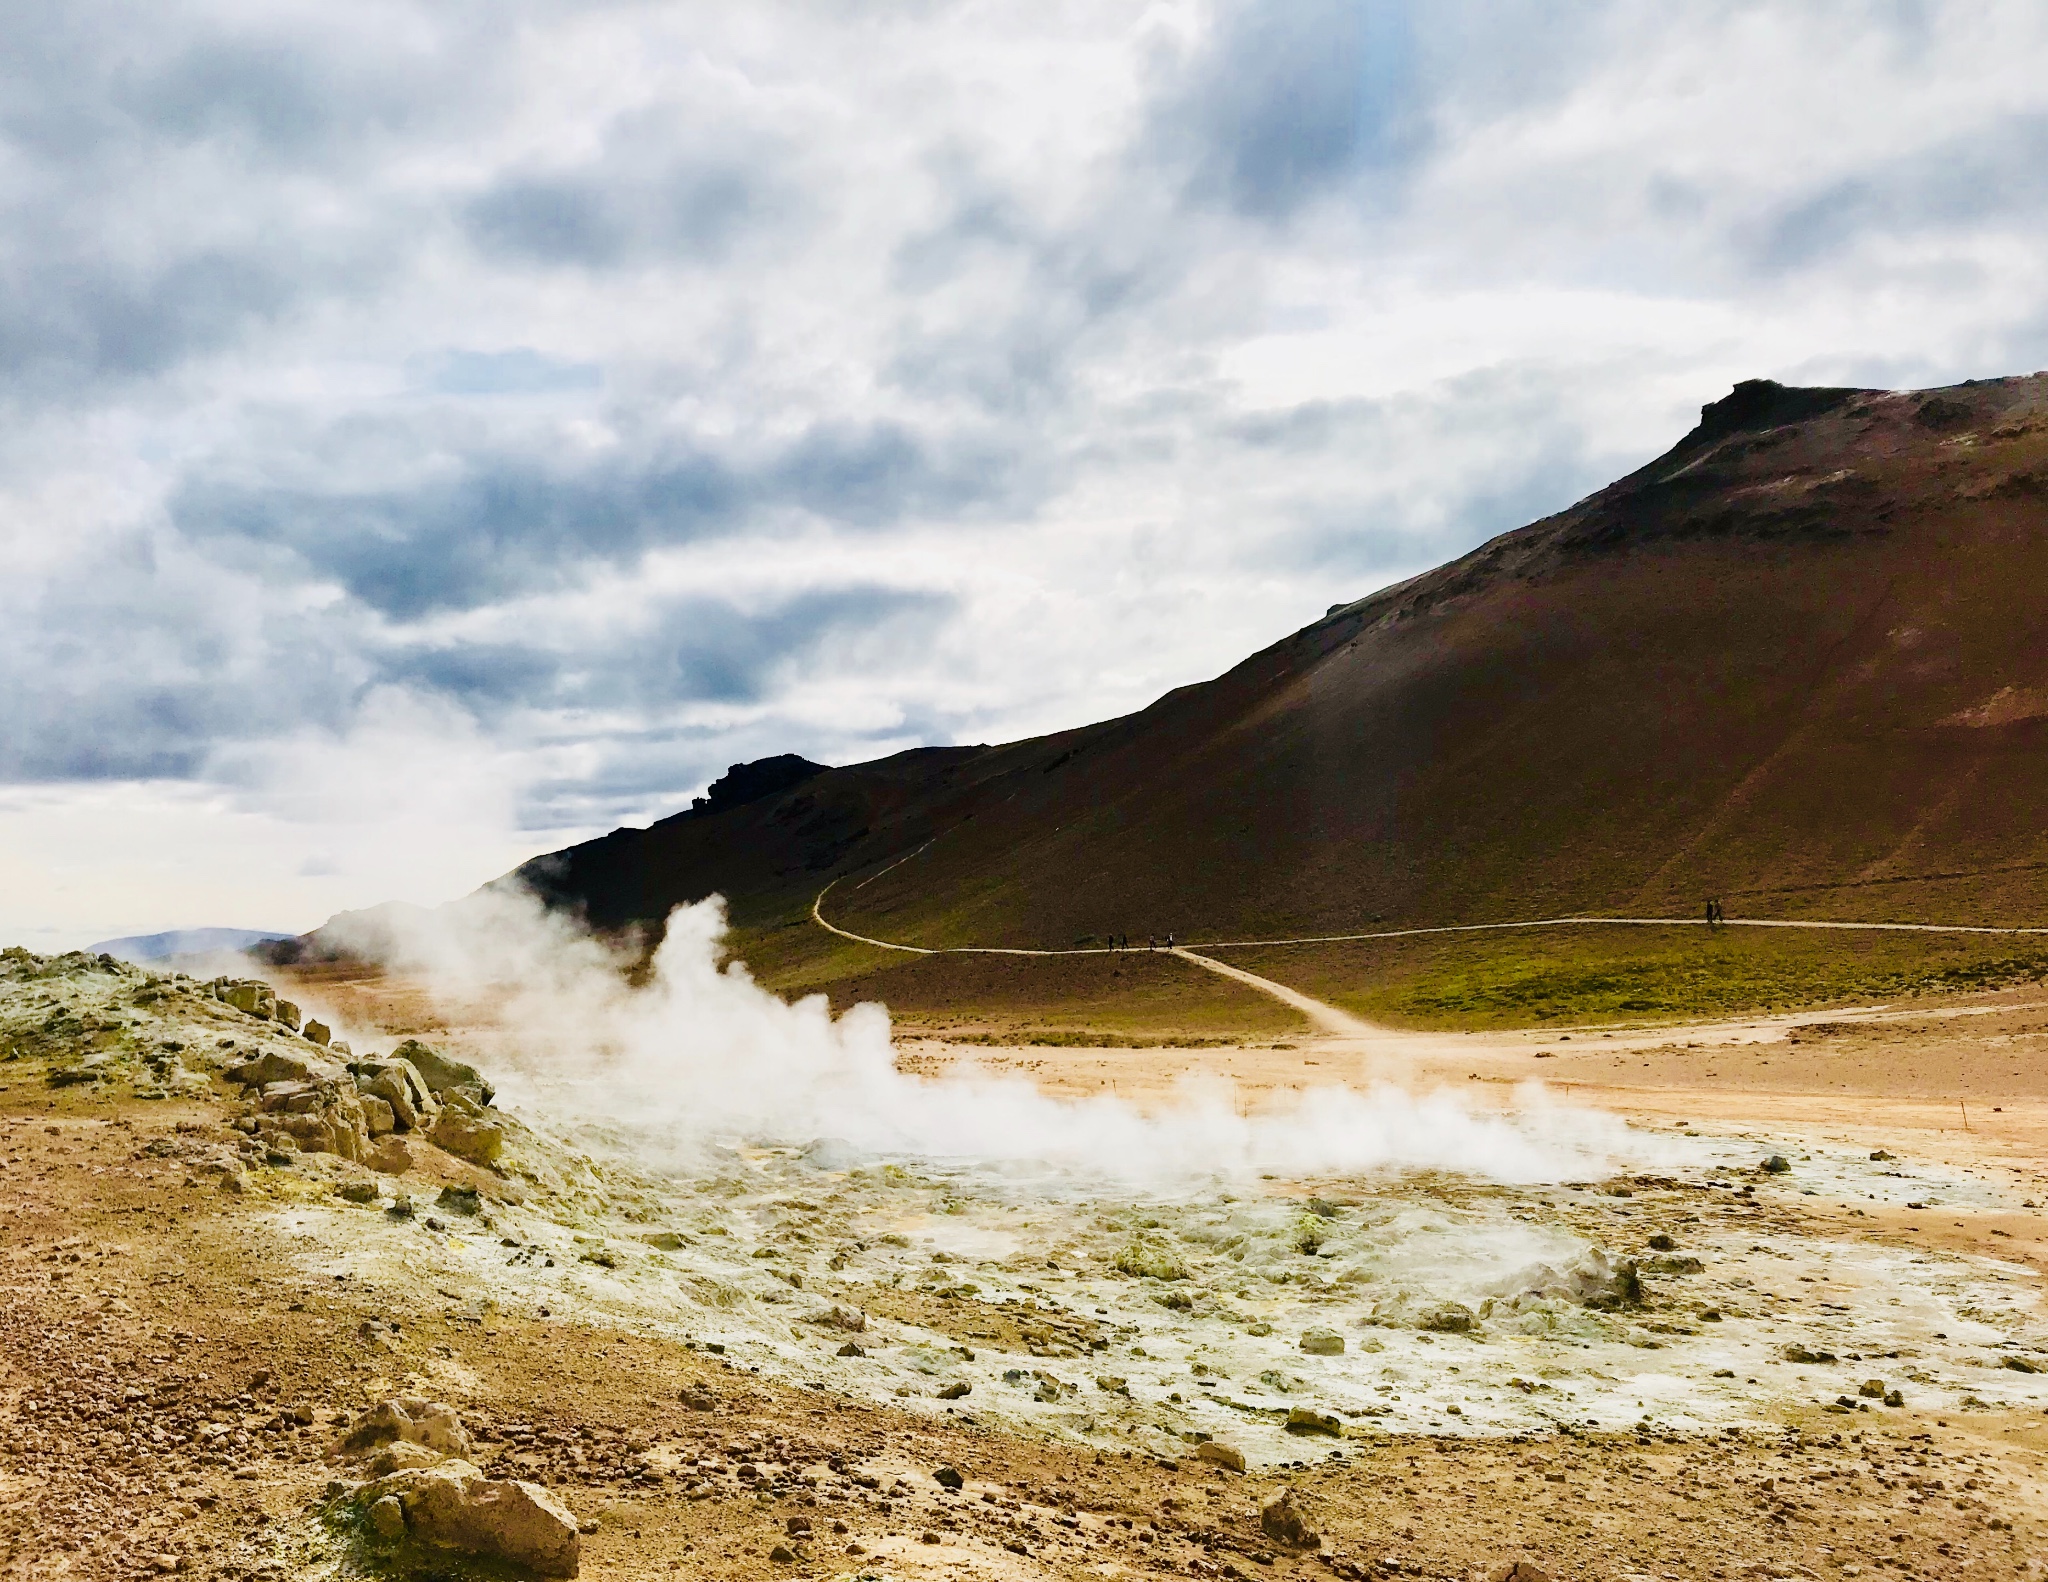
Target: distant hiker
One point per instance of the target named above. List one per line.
(1169, 942)
(1720, 916)
(1151, 941)
(1710, 914)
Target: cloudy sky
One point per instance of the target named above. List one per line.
(435, 432)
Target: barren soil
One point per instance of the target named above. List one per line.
(178, 1350)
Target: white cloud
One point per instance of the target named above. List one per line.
(598, 394)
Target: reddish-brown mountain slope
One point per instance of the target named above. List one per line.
(1799, 662)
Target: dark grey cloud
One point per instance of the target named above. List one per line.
(140, 664)
(508, 526)
(1289, 101)
(697, 649)
(1951, 185)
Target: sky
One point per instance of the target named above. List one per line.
(434, 433)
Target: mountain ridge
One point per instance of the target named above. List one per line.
(1793, 662)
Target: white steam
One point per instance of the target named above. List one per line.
(700, 1052)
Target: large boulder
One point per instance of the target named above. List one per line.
(247, 996)
(399, 1084)
(442, 1075)
(467, 1131)
(270, 1065)
(454, 1506)
(305, 1105)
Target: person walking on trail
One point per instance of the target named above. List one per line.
(1151, 941)
(1169, 942)
(1710, 913)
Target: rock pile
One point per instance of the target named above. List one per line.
(314, 1104)
(1593, 1280)
(423, 1490)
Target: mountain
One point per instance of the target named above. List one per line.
(1798, 662)
(143, 948)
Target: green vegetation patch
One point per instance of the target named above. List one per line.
(1591, 975)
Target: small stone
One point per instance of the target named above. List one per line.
(1322, 1343)
(1303, 1420)
(1894, 1398)
(1871, 1389)
(1662, 1243)
(929, 1538)
(1449, 1318)
(387, 1518)
(359, 1191)
(1222, 1455)
(782, 1554)
(955, 1390)
(2020, 1365)
(798, 1526)
(850, 1350)
(1281, 1520)
(1518, 1571)
(1776, 1165)
(948, 1478)
(318, 1032)
(460, 1200)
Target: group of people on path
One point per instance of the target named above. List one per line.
(1715, 916)
(1123, 942)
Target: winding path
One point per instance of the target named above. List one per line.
(1342, 1024)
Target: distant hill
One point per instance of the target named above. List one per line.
(1799, 662)
(145, 948)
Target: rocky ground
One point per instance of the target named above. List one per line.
(197, 1310)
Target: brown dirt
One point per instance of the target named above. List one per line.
(141, 1307)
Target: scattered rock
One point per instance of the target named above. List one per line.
(1798, 1353)
(454, 1506)
(1871, 1389)
(850, 1350)
(1518, 1571)
(1659, 1243)
(318, 1033)
(782, 1554)
(389, 1156)
(1281, 1520)
(1449, 1318)
(387, 1518)
(1326, 1342)
(358, 1191)
(1304, 1420)
(955, 1390)
(2020, 1365)
(1222, 1455)
(1776, 1165)
(665, 1240)
(948, 1477)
